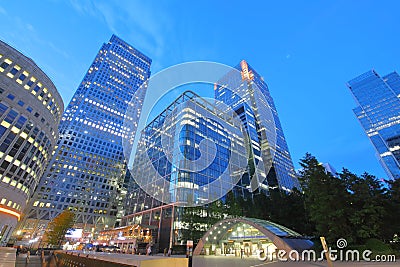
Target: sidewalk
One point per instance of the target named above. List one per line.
(7, 256)
(34, 261)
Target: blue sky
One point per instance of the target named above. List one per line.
(305, 50)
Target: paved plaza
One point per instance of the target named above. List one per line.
(8, 259)
(222, 261)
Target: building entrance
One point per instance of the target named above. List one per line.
(248, 237)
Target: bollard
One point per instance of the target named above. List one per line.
(190, 261)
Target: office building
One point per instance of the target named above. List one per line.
(261, 141)
(270, 163)
(189, 154)
(88, 168)
(30, 112)
(378, 110)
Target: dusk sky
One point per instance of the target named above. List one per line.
(305, 50)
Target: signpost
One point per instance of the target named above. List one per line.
(327, 252)
(189, 252)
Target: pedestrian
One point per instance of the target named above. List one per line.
(49, 259)
(149, 250)
(42, 256)
(18, 250)
(165, 252)
(28, 256)
(169, 252)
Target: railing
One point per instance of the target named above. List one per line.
(70, 259)
(102, 259)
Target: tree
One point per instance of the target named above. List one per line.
(288, 209)
(390, 229)
(367, 205)
(197, 220)
(233, 205)
(326, 200)
(59, 227)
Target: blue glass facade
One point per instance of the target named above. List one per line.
(87, 170)
(270, 161)
(189, 154)
(147, 204)
(185, 150)
(378, 111)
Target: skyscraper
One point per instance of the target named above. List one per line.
(88, 167)
(191, 152)
(270, 163)
(244, 95)
(378, 110)
(30, 112)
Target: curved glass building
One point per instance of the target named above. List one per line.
(30, 112)
(238, 236)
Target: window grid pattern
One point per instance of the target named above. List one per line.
(281, 174)
(172, 160)
(378, 112)
(86, 170)
(28, 127)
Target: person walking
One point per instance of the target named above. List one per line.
(49, 258)
(28, 256)
(169, 252)
(42, 256)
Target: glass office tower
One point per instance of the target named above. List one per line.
(88, 167)
(190, 153)
(270, 163)
(378, 110)
(261, 140)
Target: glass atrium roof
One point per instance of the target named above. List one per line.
(246, 229)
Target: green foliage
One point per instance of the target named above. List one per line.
(357, 208)
(377, 245)
(197, 220)
(326, 200)
(367, 201)
(391, 229)
(59, 227)
(234, 207)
